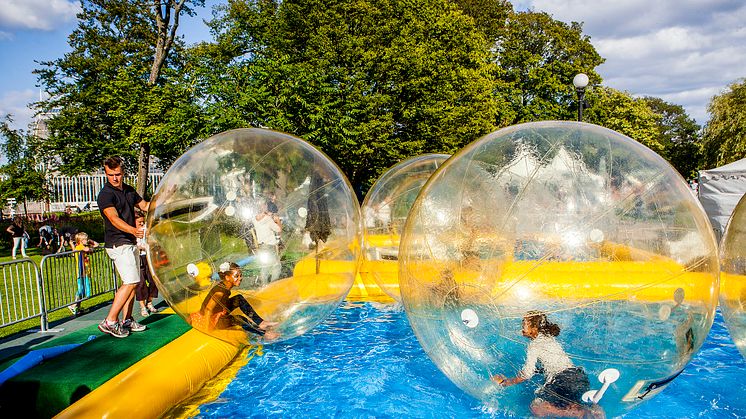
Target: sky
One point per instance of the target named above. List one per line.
(683, 51)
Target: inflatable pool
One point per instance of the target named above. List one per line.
(377, 368)
(180, 368)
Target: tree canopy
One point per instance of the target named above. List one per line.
(23, 179)
(103, 98)
(369, 82)
(538, 57)
(679, 135)
(725, 133)
(621, 112)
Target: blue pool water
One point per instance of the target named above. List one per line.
(364, 361)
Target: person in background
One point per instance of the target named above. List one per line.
(561, 394)
(117, 202)
(55, 238)
(45, 237)
(67, 236)
(145, 290)
(272, 204)
(26, 238)
(16, 230)
(83, 247)
(382, 214)
(215, 312)
(267, 227)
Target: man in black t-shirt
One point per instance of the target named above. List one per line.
(117, 202)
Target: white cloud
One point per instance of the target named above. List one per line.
(621, 18)
(683, 51)
(668, 41)
(37, 14)
(16, 104)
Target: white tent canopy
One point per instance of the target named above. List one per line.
(720, 189)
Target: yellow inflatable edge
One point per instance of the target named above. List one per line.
(159, 381)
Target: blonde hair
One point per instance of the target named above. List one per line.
(81, 237)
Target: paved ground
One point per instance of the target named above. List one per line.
(16, 344)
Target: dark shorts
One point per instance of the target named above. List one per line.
(565, 388)
(146, 288)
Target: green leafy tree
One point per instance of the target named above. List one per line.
(22, 179)
(369, 82)
(119, 91)
(490, 16)
(725, 133)
(680, 136)
(621, 112)
(538, 57)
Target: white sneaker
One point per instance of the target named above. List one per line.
(133, 326)
(113, 329)
(144, 312)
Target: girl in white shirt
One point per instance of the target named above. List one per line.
(560, 396)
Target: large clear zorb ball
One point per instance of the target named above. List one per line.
(733, 276)
(384, 210)
(565, 224)
(271, 204)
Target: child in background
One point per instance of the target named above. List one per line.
(83, 247)
(67, 235)
(145, 290)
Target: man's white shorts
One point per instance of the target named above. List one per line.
(127, 262)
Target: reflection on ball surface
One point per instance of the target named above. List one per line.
(385, 209)
(733, 276)
(558, 235)
(274, 206)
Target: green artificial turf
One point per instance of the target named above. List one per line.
(53, 385)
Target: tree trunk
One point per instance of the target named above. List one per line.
(142, 168)
(166, 34)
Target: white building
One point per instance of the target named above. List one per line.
(79, 192)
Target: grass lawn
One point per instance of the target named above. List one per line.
(34, 254)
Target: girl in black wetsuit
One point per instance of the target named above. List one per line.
(217, 306)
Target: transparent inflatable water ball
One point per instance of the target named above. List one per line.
(562, 245)
(253, 235)
(733, 276)
(384, 210)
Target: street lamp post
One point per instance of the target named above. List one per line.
(580, 81)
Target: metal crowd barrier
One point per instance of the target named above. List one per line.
(30, 291)
(20, 295)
